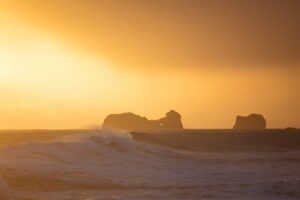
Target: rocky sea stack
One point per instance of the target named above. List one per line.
(252, 121)
(132, 122)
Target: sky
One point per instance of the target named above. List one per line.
(69, 63)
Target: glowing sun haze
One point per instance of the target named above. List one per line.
(67, 64)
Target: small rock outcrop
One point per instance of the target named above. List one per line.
(291, 129)
(252, 121)
(130, 121)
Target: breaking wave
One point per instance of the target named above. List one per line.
(110, 164)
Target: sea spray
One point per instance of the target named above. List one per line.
(119, 139)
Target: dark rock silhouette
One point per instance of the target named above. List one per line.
(132, 122)
(252, 121)
(171, 121)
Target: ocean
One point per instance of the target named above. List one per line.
(113, 165)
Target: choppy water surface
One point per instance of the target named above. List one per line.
(111, 165)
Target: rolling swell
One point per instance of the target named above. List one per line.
(98, 161)
(111, 163)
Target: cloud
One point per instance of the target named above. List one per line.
(162, 34)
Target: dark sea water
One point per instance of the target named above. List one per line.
(112, 165)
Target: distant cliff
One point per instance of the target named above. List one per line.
(252, 121)
(130, 121)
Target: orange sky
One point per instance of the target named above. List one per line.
(67, 64)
